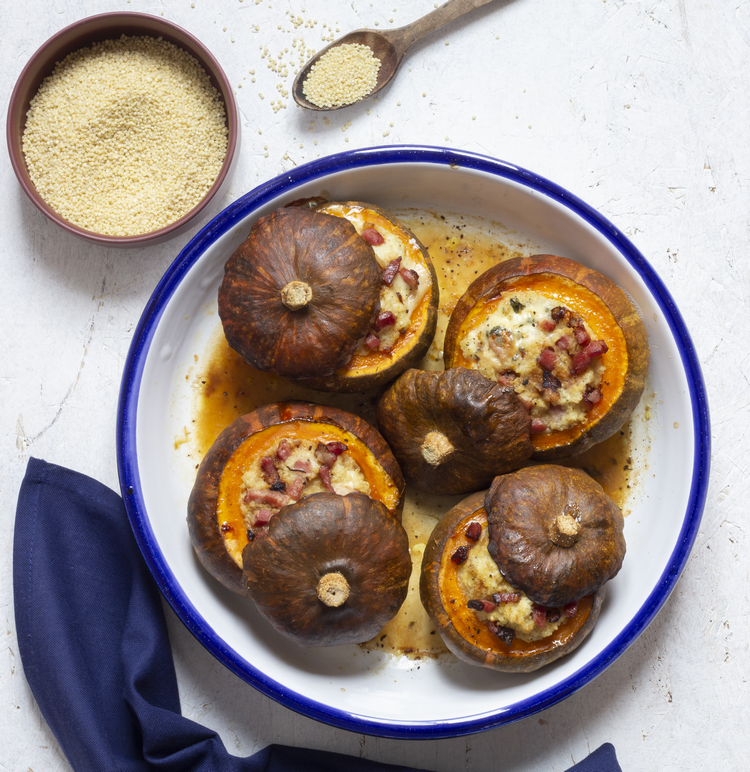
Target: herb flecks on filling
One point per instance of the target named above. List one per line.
(546, 352)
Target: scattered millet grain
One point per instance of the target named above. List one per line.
(125, 137)
(342, 76)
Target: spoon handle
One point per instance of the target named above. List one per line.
(403, 37)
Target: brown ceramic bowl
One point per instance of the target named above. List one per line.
(93, 29)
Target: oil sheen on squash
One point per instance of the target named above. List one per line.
(225, 387)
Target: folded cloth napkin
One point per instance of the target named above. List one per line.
(95, 651)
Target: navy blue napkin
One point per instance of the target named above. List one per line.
(95, 651)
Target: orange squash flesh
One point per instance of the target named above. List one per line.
(592, 309)
(263, 443)
(475, 632)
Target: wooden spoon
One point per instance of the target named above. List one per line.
(388, 46)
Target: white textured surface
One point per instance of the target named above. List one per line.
(641, 109)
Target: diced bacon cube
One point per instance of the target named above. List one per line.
(547, 325)
(460, 555)
(410, 277)
(582, 337)
(325, 478)
(384, 319)
(539, 615)
(596, 348)
(294, 488)
(580, 362)
(284, 450)
(473, 530)
(587, 354)
(371, 236)
(302, 465)
(390, 271)
(547, 359)
(325, 456)
(271, 498)
(591, 397)
(262, 516)
(537, 426)
(563, 343)
(505, 634)
(372, 341)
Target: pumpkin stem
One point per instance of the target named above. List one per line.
(296, 295)
(333, 589)
(564, 529)
(436, 448)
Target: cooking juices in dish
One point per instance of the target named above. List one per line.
(227, 387)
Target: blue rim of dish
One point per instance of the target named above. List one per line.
(135, 505)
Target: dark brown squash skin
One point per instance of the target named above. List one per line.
(323, 533)
(491, 283)
(326, 253)
(484, 422)
(353, 381)
(503, 658)
(521, 508)
(205, 535)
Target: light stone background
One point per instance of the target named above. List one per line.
(639, 107)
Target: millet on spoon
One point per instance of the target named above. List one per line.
(388, 46)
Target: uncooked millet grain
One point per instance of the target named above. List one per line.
(342, 76)
(125, 137)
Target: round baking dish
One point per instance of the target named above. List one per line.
(357, 690)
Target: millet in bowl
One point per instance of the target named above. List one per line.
(122, 128)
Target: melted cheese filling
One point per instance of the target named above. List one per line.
(303, 466)
(507, 345)
(399, 298)
(479, 577)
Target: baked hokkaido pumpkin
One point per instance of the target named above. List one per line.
(404, 327)
(453, 431)
(565, 337)
(480, 617)
(332, 569)
(299, 293)
(554, 533)
(273, 457)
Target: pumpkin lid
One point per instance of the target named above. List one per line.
(554, 533)
(454, 431)
(331, 570)
(299, 293)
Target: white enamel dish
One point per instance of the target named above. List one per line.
(371, 692)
